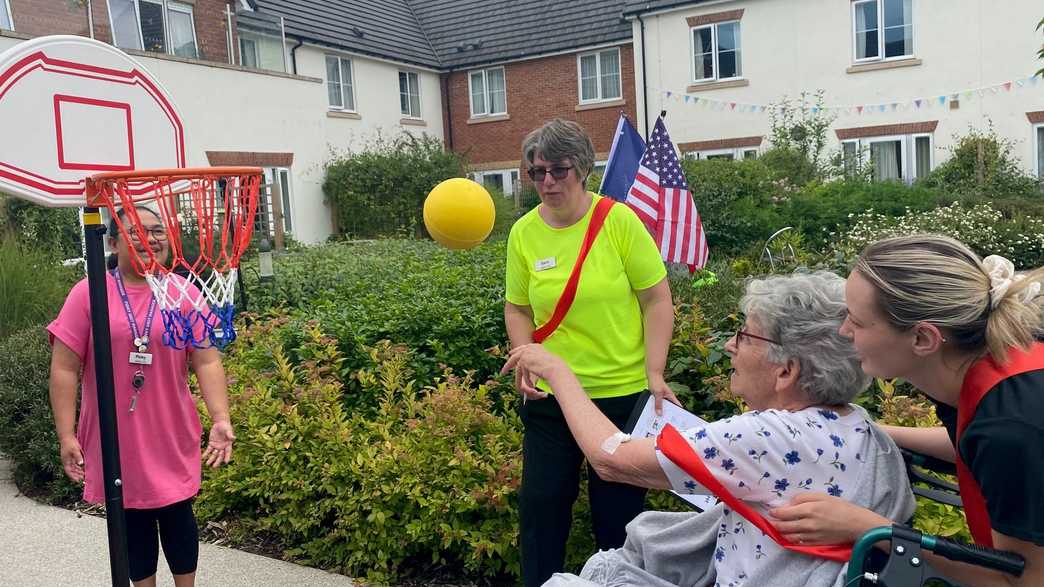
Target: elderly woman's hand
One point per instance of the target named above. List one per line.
(532, 362)
(818, 518)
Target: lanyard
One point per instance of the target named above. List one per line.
(141, 341)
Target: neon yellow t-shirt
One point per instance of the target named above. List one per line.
(602, 337)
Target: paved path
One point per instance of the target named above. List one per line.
(45, 546)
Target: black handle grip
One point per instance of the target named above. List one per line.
(999, 560)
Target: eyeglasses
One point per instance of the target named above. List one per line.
(741, 333)
(159, 234)
(538, 174)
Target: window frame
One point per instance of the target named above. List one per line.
(174, 5)
(183, 8)
(5, 5)
(908, 153)
(1038, 148)
(914, 175)
(598, 76)
(881, 34)
(714, 51)
(341, 83)
(411, 114)
(737, 153)
(256, 52)
(485, 93)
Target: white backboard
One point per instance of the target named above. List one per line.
(71, 107)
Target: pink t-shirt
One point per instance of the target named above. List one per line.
(160, 440)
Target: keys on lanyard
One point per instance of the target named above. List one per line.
(140, 355)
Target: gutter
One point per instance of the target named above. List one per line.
(645, 85)
(293, 55)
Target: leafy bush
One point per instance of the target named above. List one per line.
(446, 306)
(33, 285)
(55, 231)
(821, 210)
(734, 199)
(799, 140)
(426, 481)
(981, 227)
(381, 191)
(27, 433)
(897, 406)
(983, 165)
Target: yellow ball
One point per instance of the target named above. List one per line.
(459, 213)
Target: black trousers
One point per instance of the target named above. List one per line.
(551, 463)
(177, 530)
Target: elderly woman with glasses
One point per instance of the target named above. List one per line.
(614, 337)
(801, 434)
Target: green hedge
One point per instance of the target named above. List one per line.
(381, 191)
(27, 433)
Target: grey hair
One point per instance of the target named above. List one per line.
(560, 139)
(804, 312)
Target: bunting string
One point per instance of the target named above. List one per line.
(906, 105)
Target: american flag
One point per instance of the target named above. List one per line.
(661, 198)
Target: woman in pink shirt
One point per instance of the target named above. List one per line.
(159, 427)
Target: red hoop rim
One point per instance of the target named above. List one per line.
(94, 182)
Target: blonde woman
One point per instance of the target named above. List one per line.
(964, 331)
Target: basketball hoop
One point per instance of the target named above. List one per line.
(208, 215)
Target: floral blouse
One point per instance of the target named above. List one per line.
(766, 458)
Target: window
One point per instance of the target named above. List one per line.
(892, 158)
(716, 52)
(261, 51)
(140, 24)
(500, 181)
(488, 92)
(339, 87)
(883, 29)
(1039, 146)
(282, 175)
(730, 154)
(5, 15)
(600, 76)
(409, 94)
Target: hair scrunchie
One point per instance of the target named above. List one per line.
(1002, 276)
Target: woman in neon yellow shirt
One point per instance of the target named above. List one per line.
(614, 337)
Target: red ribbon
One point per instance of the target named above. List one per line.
(680, 452)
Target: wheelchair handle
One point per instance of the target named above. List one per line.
(998, 560)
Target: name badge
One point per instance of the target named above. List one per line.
(543, 264)
(141, 358)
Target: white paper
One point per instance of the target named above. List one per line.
(649, 425)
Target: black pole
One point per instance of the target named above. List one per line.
(94, 231)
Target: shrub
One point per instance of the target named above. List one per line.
(734, 199)
(982, 165)
(447, 306)
(799, 139)
(898, 407)
(984, 229)
(425, 481)
(27, 433)
(820, 210)
(33, 285)
(381, 191)
(55, 231)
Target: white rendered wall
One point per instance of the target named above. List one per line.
(230, 109)
(789, 47)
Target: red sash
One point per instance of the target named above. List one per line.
(680, 452)
(982, 377)
(569, 293)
